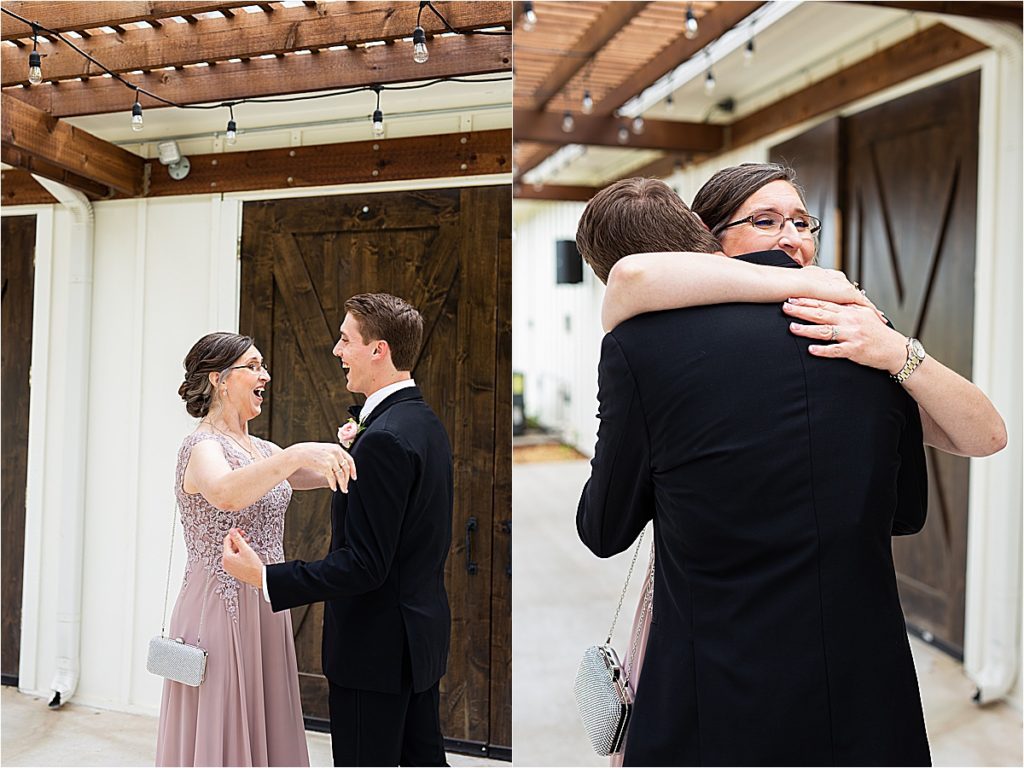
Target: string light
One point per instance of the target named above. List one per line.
(420, 54)
(231, 134)
(623, 134)
(568, 123)
(709, 82)
(748, 53)
(638, 124)
(136, 114)
(529, 17)
(587, 105)
(691, 28)
(378, 116)
(35, 63)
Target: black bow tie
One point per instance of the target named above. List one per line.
(354, 410)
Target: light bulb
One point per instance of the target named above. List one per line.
(567, 122)
(378, 123)
(691, 25)
(137, 117)
(588, 103)
(748, 53)
(231, 134)
(638, 124)
(623, 134)
(529, 17)
(709, 83)
(35, 69)
(420, 54)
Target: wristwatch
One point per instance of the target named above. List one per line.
(915, 354)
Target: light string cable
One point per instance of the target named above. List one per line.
(450, 28)
(36, 27)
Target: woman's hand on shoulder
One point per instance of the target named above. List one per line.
(852, 331)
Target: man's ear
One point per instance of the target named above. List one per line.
(380, 349)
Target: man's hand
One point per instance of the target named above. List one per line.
(241, 561)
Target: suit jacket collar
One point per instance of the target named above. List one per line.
(402, 395)
(774, 258)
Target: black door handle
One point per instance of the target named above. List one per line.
(471, 566)
(506, 527)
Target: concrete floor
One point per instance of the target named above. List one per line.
(33, 734)
(564, 599)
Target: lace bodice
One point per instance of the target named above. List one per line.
(206, 526)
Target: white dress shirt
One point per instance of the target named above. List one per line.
(371, 402)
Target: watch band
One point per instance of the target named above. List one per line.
(913, 361)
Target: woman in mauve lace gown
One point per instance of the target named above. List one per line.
(247, 711)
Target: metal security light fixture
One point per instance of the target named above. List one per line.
(170, 155)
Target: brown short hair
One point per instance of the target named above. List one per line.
(214, 353)
(383, 317)
(723, 194)
(637, 216)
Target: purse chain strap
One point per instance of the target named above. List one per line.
(167, 588)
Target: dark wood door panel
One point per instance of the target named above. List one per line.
(439, 249)
(911, 209)
(19, 235)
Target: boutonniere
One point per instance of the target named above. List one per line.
(348, 431)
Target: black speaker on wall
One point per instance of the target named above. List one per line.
(569, 266)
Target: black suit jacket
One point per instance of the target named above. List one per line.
(383, 579)
(774, 479)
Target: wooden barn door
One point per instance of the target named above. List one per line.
(18, 239)
(911, 190)
(448, 253)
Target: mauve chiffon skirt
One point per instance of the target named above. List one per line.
(247, 710)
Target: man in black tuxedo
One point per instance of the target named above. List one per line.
(387, 622)
(775, 480)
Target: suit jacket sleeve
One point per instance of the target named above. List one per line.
(376, 507)
(912, 480)
(618, 499)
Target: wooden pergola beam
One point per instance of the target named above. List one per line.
(17, 187)
(608, 24)
(713, 25)
(554, 192)
(229, 81)
(415, 157)
(34, 165)
(74, 15)
(35, 134)
(992, 11)
(926, 51)
(250, 35)
(604, 131)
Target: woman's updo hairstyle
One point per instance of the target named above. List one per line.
(213, 353)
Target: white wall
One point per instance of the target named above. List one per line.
(165, 272)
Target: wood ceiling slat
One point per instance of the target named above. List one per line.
(74, 15)
(602, 131)
(250, 35)
(228, 81)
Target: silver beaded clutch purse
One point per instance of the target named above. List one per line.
(173, 658)
(176, 660)
(604, 697)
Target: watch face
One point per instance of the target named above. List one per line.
(917, 348)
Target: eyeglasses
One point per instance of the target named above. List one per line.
(771, 222)
(253, 366)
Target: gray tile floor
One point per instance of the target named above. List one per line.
(563, 601)
(33, 734)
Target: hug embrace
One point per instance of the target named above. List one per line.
(386, 619)
(771, 423)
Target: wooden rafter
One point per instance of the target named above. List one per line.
(35, 134)
(382, 64)
(73, 15)
(926, 51)
(602, 30)
(251, 35)
(17, 187)
(993, 11)
(416, 157)
(557, 192)
(604, 131)
(17, 159)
